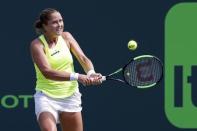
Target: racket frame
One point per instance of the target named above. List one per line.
(123, 68)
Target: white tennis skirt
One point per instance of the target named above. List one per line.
(44, 103)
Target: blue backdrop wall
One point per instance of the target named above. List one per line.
(102, 28)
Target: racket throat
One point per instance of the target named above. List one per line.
(117, 71)
(114, 79)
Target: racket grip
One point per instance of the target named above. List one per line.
(103, 78)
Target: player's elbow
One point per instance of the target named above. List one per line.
(84, 60)
(46, 73)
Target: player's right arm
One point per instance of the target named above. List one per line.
(39, 58)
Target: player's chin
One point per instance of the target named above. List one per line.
(58, 33)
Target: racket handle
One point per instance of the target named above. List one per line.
(103, 78)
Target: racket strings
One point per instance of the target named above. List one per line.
(143, 71)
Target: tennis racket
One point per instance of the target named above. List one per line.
(142, 72)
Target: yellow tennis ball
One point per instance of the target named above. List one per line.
(132, 45)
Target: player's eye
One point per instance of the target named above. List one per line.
(60, 20)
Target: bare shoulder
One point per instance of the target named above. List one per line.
(68, 38)
(67, 35)
(36, 45)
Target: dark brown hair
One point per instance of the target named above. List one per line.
(44, 17)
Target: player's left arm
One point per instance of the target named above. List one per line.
(78, 53)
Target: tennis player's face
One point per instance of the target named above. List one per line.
(55, 25)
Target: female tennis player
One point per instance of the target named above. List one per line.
(57, 97)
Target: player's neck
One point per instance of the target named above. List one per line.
(51, 39)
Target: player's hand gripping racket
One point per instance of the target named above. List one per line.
(142, 72)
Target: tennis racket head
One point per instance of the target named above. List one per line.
(143, 71)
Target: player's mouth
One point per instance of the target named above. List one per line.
(59, 29)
